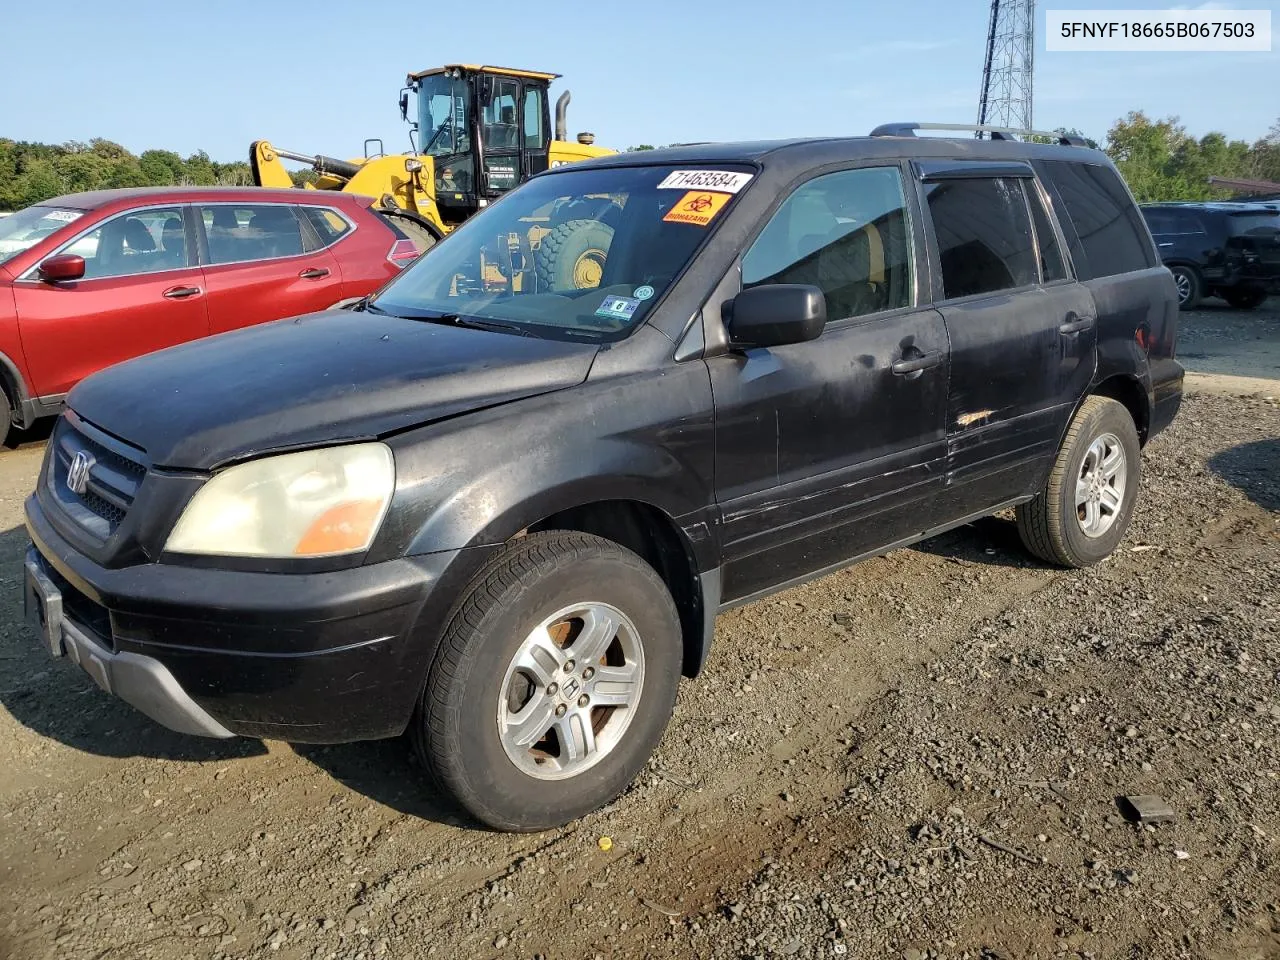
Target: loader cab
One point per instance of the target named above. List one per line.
(486, 129)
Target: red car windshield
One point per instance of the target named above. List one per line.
(23, 230)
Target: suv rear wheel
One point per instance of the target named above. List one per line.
(1190, 286)
(1085, 508)
(1244, 298)
(553, 683)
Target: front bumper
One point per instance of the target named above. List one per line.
(317, 657)
(142, 682)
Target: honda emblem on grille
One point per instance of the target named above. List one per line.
(78, 472)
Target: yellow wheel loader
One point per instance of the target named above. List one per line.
(477, 133)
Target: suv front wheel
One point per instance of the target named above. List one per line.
(1085, 508)
(553, 683)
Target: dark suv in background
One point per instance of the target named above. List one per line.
(1230, 250)
(503, 512)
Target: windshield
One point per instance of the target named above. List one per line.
(444, 103)
(581, 254)
(23, 230)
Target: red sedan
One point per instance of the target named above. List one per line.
(91, 279)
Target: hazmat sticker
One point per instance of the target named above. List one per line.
(618, 308)
(697, 207)
(723, 181)
(643, 293)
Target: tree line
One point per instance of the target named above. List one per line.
(1159, 159)
(32, 172)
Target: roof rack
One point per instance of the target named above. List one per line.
(997, 133)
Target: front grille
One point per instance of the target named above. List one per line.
(111, 484)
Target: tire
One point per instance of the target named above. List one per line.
(1051, 525)
(1190, 286)
(475, 687)
(6, 418)
(1245, 298)
(422, 236)
(572, 256)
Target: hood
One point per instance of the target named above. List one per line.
(318, 379)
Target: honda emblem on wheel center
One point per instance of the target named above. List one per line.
(78, 473)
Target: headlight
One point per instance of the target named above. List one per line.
(317, 503)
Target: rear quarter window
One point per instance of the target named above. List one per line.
(1253, 224)
(1105, 231)
(329, 225)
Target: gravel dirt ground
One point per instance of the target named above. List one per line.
(918, 758)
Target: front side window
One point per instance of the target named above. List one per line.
(847, 234)
(141, 241)
(583, 254)
(444, 104)
(24, 229)
(1161, 223)
(238, 233)
(984, 235)
(1105, 231)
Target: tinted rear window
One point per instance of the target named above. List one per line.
(984, 236)
(1246, 224)
(1105, 231)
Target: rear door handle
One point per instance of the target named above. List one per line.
(181, 293)
(902, 368)
(1075, 326)
(1166, 244)
(313, 273)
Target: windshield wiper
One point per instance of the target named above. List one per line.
(472, 323)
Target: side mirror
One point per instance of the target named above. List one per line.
(404, 104)
(66, 266)
(776, 314)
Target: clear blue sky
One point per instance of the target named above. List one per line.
(321, 76)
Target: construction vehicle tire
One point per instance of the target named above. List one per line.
(572, 256)
(422, 238)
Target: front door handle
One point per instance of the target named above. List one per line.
(903, 368)
(313, 273)
(181, 293)
(1074, 325)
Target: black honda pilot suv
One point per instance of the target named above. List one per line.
(500, 504)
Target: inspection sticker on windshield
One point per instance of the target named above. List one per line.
(63, 216)
(724, 181)
(697, 207)
(618, 308)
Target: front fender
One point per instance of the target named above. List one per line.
(480, 479)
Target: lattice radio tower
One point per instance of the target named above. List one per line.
(1008, 72)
